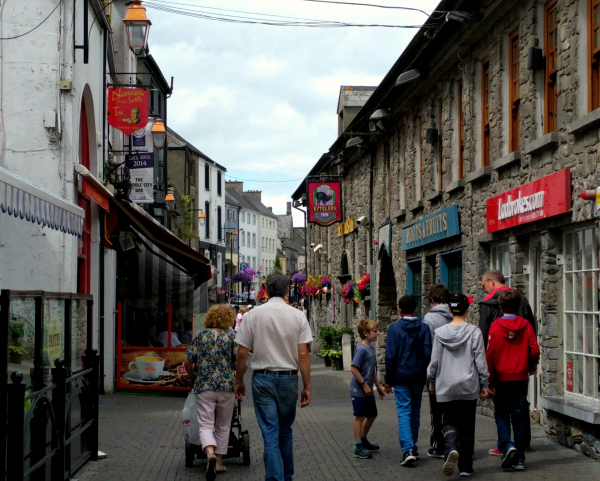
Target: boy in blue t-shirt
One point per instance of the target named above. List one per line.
(364, 370)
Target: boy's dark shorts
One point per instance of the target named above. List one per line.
(364, 406)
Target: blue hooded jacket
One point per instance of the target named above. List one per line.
(407, 352)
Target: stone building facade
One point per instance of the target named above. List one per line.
(475, 115)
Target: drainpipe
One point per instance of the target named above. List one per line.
(370, 251)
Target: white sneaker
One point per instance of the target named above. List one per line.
(450, 463)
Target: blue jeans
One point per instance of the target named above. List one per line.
(408, 405)
(275, 399)
(510, 404)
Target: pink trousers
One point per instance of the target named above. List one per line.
(215, 409)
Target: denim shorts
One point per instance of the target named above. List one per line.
(364, 406)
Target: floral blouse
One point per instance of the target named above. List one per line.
(213, 360)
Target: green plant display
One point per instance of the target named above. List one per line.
(187, 231)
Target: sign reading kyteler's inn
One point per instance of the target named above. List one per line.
(440, 225)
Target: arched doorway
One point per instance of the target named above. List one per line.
(387, 295)
(84, 257)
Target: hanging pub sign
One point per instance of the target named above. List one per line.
(128, 109)
(324, 206)
(141, 169)
(540, 199)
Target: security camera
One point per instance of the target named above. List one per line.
(319, 248)
(312, 245)
(363, 220)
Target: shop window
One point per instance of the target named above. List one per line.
(514, 96)
(485, 113)
(551, 49)
(451, 270)
(594, 52)
(500, 261)
(414, 283)
(581, 316)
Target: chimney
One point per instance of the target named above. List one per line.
(255, 193)
(271, 209)
(237, 186)
(289, 208)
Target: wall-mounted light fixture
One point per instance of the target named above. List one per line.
(407, 77)
(137, 26)
(159, 134)
(354, 142)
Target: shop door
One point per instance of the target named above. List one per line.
(451, 271)
(415, 284)
(535, 287)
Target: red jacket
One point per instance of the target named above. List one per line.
(513, 351)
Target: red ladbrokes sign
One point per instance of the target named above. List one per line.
(540, 199)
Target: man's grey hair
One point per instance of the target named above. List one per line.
(494, 275)
(277, 283)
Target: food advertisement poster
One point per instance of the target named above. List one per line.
(128, 109)
(157, 368)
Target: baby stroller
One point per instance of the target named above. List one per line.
(239, 441)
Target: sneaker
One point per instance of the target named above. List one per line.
(495, 452)
(362, 453)
(450, 463)
(466, 474)
(369, 446)
(409, 458)
(520, 466)
(433, 453)
(211, 468)
(508, 460)
(416, 453)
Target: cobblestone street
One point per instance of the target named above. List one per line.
(143, 438)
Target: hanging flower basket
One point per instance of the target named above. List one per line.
(350, 293)
(364, 285)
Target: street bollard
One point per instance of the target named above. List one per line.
(347, 351)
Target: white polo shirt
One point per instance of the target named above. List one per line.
(273, 331)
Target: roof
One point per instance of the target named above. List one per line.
(260, 207)
(229, 199)
(241, 199)
(180, 142)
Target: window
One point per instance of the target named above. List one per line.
(254, 263)
(207, 220)
(243, 239)
(242, 217)
(253, 240)
(500, 260)
(253, 219)
(233, 215)
(229, 212)
(219, 183)
(248, 239)
(243, 258)
(485, 112)
(461, 132)
(263, 221)
(219, 224)
(514, 98)
(594, 49)
(414, 284)
(207, 176)
(262, 244)
(440, 147)
(550, 47)
(581, 314)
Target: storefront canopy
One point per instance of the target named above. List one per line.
(21, 198)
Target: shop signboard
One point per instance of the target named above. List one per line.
(128, 109)
(540, 199)
(324, 203)
(440, 225)
(141, 168)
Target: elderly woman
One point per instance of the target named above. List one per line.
(211, 361)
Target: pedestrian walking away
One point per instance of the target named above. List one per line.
(493, 283)
(211, 362)
(407, 354)
(458, 375)
(279, 335)
(512, 356)
(439, 315)
(364, 373)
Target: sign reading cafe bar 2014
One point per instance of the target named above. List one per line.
(540, 199)
(440, 225)
(324, 203)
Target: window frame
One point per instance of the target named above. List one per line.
(514, 90)
(501, 248)
(207, 220)
(593, 58)
(219, 183)
(206, 176)
(550, 74)
(485, 113)
(219, 224)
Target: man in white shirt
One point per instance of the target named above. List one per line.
(279, 335)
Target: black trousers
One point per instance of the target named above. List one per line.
(436, 437)
(459, 431)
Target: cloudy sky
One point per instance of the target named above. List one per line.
(261, 100)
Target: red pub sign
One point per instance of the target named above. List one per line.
(540, 199)
(128, 109)
(324, 203)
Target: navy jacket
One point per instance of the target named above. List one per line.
(407, 352)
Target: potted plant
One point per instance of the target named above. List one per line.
(16, 348)
(327, 335)
(335, 354)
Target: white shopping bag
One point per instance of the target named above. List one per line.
(189, 417)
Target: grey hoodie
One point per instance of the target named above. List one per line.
(458, 368)
(438, 316)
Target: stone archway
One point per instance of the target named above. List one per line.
(387, 298)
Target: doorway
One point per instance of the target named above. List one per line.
(414, 284)
(534, 297)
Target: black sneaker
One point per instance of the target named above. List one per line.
(369, 446)
(409, 459)
(508, 460)
(434, 453)
(450, 463)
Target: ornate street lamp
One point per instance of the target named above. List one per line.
(169, 197)
(159, 134)
(201, 218)
(138, 26)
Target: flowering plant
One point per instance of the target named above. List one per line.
(325, 281)
(245, 275)
(349, 293)
(299, 277)
(365, 282)
(310, 287)
(227, 280)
